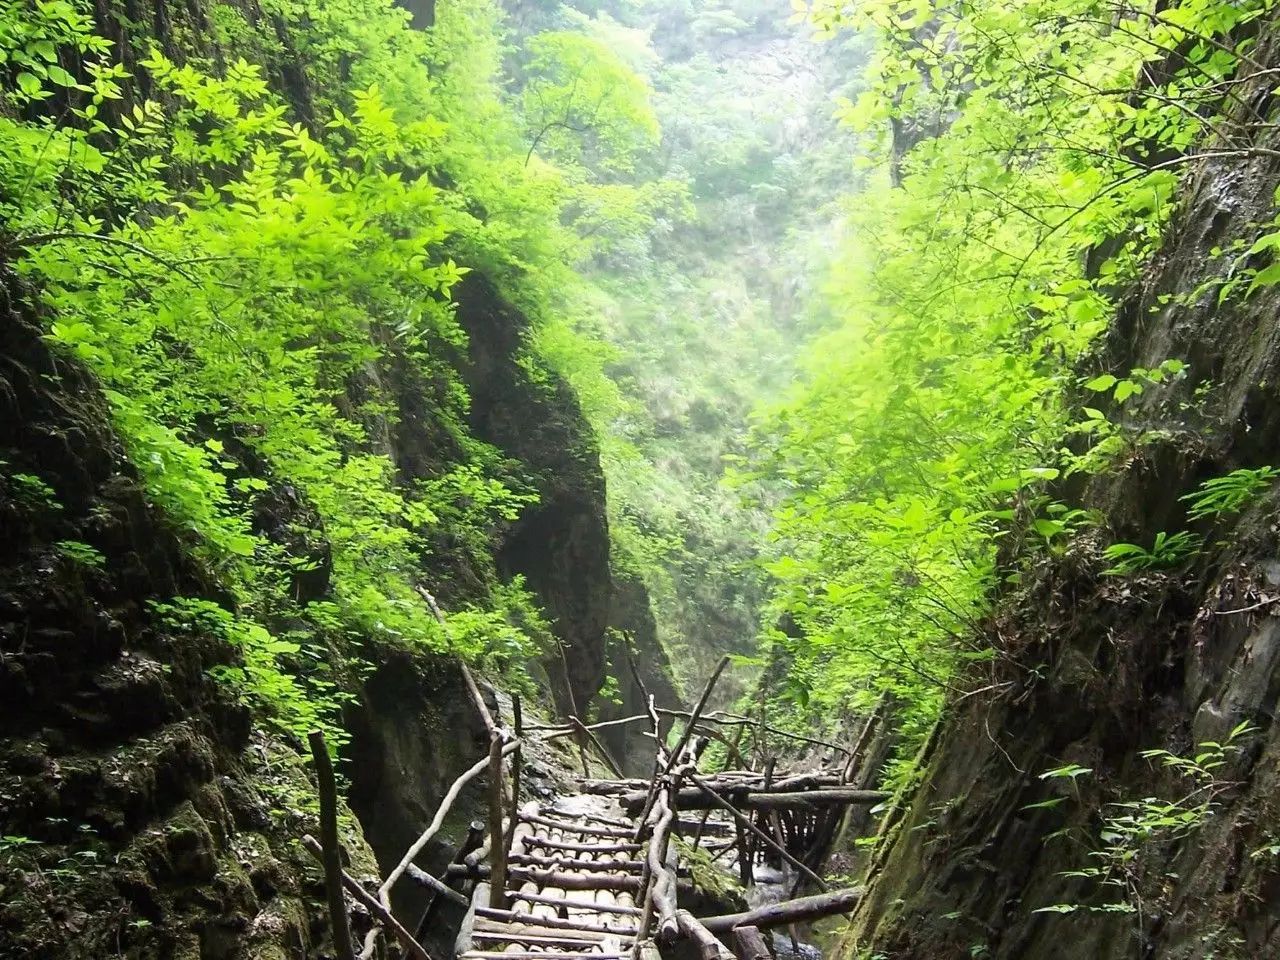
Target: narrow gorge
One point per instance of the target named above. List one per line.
(639, 479)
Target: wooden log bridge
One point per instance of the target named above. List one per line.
(575, 888)
(598, 873)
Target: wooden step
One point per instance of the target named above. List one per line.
(531, 955)
(571, 864)
(549, 844)
(569, 904)
(556, 927)
(517, 936)
(571, 826)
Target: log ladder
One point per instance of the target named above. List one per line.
(598, 874)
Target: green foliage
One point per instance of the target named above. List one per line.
(1167, 550)
(1226, 495)
(252, 278)
(1133, 828)
(708, 879)
(1134, 385)
(261, 678)
(30, 490)
(933, 411)
(81, 553)
(14, 844)
(693, 322)
(31, 35)
(582, 103)
(1070, 771)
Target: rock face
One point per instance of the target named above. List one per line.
(135, 823)
(413, 731)
(116, 744)
(561, 544)
(1101, 668)
(633, 643)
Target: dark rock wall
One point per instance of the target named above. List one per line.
(1101, 668)
(560, 544)
(413, 731)
(634, 648)
(135, 823)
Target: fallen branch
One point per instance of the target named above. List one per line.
(788, 911)
(481, 707)
(753, 799)
(424, 879)
(407, 942)
(756, 831)
(595, 741)
(565, 729)
(733, 720)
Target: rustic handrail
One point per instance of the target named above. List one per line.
(567, 863)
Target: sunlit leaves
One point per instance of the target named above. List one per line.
(582, 103)
(1014, 145)
(241, 279)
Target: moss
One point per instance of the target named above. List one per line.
(710, 881)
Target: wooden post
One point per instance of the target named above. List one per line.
(709, 948)
(331, 852)
(735, 751)
(497, 836)
(655, 780)
(475, 835)
(515, 775)
(702, 825)
(696, 713)
(434, 826)
(674, 757)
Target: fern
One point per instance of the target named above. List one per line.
(1229, 494)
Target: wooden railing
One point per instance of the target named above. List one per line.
(772, 816)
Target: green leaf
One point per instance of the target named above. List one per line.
(1267, 277)
(29, 83)
(1071, 770)
(60, 76)
(1045, 804)
(1047, 528)
(1126, 389)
